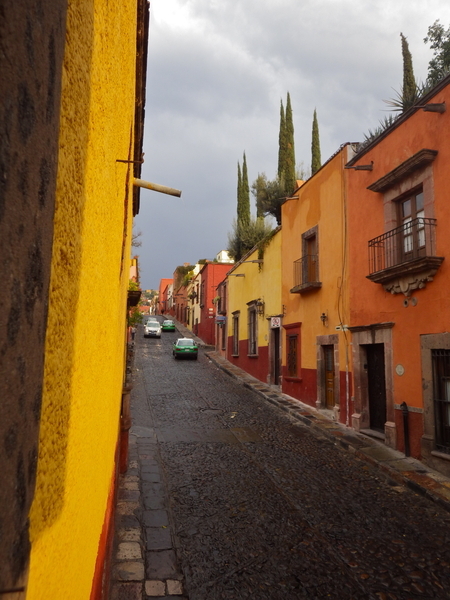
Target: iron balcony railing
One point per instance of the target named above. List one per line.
(411, 241)
(306, 271)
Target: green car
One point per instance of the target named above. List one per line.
(168, 325)
(185, 347)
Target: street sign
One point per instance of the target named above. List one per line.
(275, 322)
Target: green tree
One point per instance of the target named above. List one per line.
(282, 144)
(180, 274)
(315, 146)
(269, 196)
(409, 89)
(244, 213)
(243, 194)
(289, 170)
(134, 316)
(439, 39)
(245, 237)
(239, 187)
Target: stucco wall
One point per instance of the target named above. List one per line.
(370, 303)
(84, 361)
(321, 204)
(263, 282)
(32, 39)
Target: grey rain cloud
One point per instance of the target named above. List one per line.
(217, 70)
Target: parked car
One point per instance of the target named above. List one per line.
(185, 347)
(152, 329)
(168, 325)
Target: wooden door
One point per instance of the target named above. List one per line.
(275, 353)
(376, 386)
(328, 355)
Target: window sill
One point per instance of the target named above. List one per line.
(235, 355)
(438, 454)
(252, 355)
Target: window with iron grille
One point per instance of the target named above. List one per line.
(236, 334)
(252, 331)
(310, 265)
(292, 353)
(223, 335)
(222, 309)
(441, 398)
(306, 268)
(408, 245)
(202, 295)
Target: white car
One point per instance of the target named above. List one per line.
(152, 329)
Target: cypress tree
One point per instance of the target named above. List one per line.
(315, 146)
(244, 212)
(239, 188)
(409, 89)
(281, 144)
(289, 161)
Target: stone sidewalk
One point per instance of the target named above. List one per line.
(144, 562)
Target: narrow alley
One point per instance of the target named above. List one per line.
(229, 497)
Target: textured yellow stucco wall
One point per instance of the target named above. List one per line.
(321, 202)
(263, 282)
(85, 338)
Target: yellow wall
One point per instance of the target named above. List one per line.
(84, 362)
(260, 281)
(322, 202)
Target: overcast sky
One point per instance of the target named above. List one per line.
(217, 71)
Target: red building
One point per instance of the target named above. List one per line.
(210, 276)
(162, 306)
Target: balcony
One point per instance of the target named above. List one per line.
(404, 258)
(306, 274)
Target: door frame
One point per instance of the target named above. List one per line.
(377, 333)
(377, 407)
(321, 402)
(435, 459)
(273, 379)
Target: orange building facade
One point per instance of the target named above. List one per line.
(399, 277)
(163, 302)
(315, 341)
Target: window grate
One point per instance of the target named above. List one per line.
(441, 398)
(292, 356)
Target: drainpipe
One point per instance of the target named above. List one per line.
(347, 387)
(405, 414)
(156, 187)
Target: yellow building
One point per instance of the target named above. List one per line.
(100, 137)
(254, 311)
(316, 356)
(193, 302)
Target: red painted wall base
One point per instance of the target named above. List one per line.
(102, 573)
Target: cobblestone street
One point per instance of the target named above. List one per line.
(229, 497)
